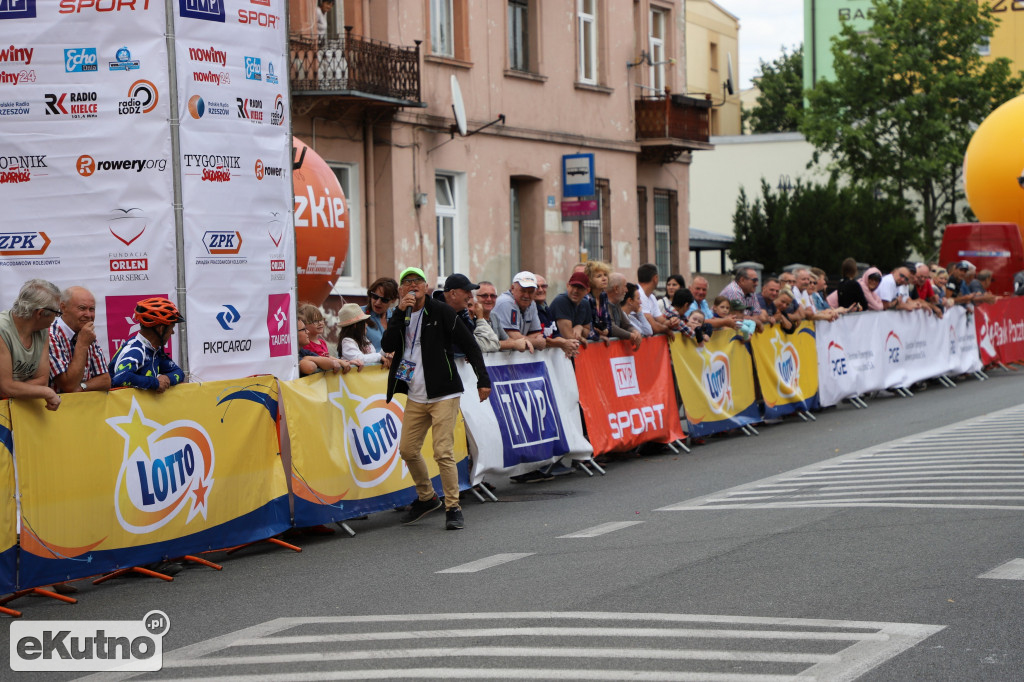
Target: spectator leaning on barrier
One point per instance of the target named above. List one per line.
(984, 281)
(310, 362)
(784, 301)
(849, 293)
(622, 328)
(597, 300)
(742, 289)
(458, 293)
(353, 345)
(699, 289)
(923, 294)
(769, 291)
(422, 337)
(514, 317)
(571, 315)
(633, 307)
(893, 290)
(24, 356)
(647, 278)
(820, 284)
(673, 284)
(77, 361)
(540, 299)
(487, 296)
(141, 362)
(380, 295)
(314, 319)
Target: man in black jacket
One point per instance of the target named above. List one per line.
(421, 335)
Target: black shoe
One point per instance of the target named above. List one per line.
(166, 567)
(419, 509)
(453, 519)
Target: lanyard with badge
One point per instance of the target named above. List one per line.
(406, 369)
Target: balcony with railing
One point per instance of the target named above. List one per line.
(668, 125)
(352, 67)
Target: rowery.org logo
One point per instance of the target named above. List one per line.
(716, 378)
(373, 428)
(80, 60)
(787, 367)
(17, 9)
(206, 10)
(893, 348)
(165, 468)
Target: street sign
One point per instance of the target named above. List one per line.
(577, 175)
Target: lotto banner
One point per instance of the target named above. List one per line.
(872, 351)
(534, 406)
(8, 506)
(131, 477)
(787, 369)
(627, 395)
(86, 171)
(1000, 331)
(716, 382)
(344, 446)
(236, 184)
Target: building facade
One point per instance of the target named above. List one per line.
(712, 47)
(538, 81)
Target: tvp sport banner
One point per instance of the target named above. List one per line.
(344, 446)
(239, 249)
(787, 369)
(534, 406)
(716, 382)
(131, 477)
(1000, 330)
(627, 395)
(8, 505)
(86, 171)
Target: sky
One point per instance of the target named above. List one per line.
(765, 26)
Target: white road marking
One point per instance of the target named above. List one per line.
(497, 674)
(594, 531)
(1011, 570)
(486, 562)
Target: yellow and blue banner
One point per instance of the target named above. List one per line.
(130, 477)
(787, 369)
(8, 505)
(344, 440)
(716, 382)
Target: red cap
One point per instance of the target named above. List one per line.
(580, 279)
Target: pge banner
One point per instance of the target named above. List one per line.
(716, 382)
(1000, 330)
(534, 406)
(627, 395)
(131, 477)
(787, 369)
(8, 506)
(872, 351)
(344, 446)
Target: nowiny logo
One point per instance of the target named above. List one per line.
(893, 348)
(787, 367)
(716, 378)
(165, 467)
(373, 428)
(228, 317)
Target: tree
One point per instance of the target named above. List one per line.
(781, 103)
(821, 225)
(898, 115)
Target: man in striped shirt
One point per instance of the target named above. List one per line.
(77, 362)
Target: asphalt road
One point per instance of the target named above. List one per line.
(726, 563)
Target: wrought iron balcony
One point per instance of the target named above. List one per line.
(355, 67)
(668, 125)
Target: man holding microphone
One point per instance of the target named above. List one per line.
(421, 335)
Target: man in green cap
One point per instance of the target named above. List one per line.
(421, 335)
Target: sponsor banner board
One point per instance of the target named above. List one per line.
(8, 506)
(1000, 330)
(787, 369)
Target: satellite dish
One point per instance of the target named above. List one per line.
(728, 79)
(458, 107)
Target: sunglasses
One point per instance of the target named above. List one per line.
(542, 286)
(50, 310)
(487, 296)
(382, 299)
(412, 282)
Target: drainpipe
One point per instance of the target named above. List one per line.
(371, 201)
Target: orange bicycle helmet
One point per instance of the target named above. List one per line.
(153, 312)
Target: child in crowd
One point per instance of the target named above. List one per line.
(696, 328)
(314, 319)
(722, 307)
(141, 361)
(353, 345)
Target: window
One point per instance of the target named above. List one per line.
(587, 24)
(349, 282)
(713, 56)
(452, 230)
(515, 227)
(519, 35)
(596, 234)
(662, 234)
(656, 49)
(442, 28)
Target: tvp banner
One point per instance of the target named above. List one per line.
(787, 369)
(1000, 330)
(8, 507)
(534, 406)
(344, 446)
(716, 382)
(627, 395)
(130, 477)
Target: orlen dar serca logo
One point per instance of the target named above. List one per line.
(166, 468)
(787, 367)
(717, 380)
(373, 428)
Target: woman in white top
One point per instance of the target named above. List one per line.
(354, 346)
(631, 306)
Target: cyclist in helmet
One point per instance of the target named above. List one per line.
(141, 362)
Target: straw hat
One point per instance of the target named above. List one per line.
(351, 313)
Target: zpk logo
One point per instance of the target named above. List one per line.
(23, 243)
(222, 243)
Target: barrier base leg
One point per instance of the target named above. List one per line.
(597, 466)
(682, 446)
(673, 448)
(584, 467)
(347, 528)
(134, 569)
(272, 541)
(198, 560)
(1005, 368)
(38, 592)
(487, 492)
(810, 416)
(477, 495)
(802, 416)
(10, 612)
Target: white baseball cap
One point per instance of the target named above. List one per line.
(525, 279)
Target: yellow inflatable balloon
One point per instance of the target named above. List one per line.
(994, 166)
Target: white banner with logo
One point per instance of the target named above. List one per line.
(85, 156)
(236, 187)
(533, 413)
(874, 351)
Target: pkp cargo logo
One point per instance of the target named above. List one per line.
(373, 428)
(278, 326)
(787, 367)
(17, 9)
(837, 362)
(624, 375)
(165, 468)
(228, 317)
(206, 10)
(893, 348)
(716, 378)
